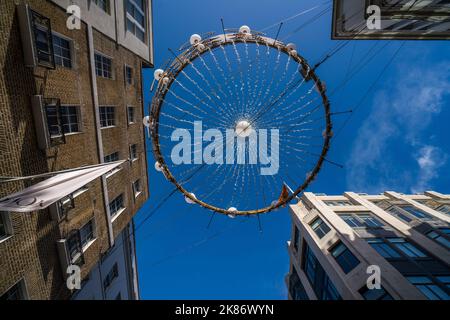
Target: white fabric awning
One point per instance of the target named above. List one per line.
(43, 194)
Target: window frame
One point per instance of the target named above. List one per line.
(135, 23)
(8, 230)
(344, 256)
(439, 234)
(134, 154)
(338, 203)
(129, 80)
(297, 238)
(319, 280)
(106, 8)
(444, 208)
(107, 122)
(85, 242)
(43, 24)
(74, 248)
(380, 296)
(63, 115)
(322, 232)
(109, 158)
(398, 211)
(71, 51)
(361, 222)
(432, 281)
(390, 242)
(118, 206)
(137, 192)
(100, 72)
(20, 287)
(133, 120)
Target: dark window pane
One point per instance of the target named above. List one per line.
(383, 249)
(375, 294)
(351, 220)
(15, 293)
(407, 248)
(370, 221)
(320, 227)
(2, 226)
(416, 212)
(344, 257)
(318, 279)
(397, 212)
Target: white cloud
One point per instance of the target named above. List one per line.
(390, 151)
(430, 159)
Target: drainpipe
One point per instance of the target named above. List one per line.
(98, 131)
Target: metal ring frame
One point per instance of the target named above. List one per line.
(194, 51)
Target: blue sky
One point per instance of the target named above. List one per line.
(395, 140)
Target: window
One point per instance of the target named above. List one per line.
(320, 227)
(409, 213)
(445, 280)
(375, 294)
(74, 246)
(42, 39)
(112, 157)
(395, 211)
(131, 115)
(133, 152)
(128, 75)
(116, 205)
(135, 10)
(5, 225)
(137, 188)
(103, 4)
(396, 248)
(340, 203)
(344, 257)
(322, 285)
(352, 221)
(87, 233)
(310, 264)
(444, 209)
(62, 51)
(107, 116)
(16, 292)
(69, 119)
(112, 274)
(297, 238)
(416, 212)
(370, 221)
(407, 248)
(440, 238)
(358, 220)
(2, 226)
(296, 289)
(103, 66)
(431, 288)
(383, 248)
(63, 206)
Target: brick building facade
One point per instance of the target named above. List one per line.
(91, 106)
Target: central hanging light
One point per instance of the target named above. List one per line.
(243, 129)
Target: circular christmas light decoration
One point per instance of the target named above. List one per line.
(234, 116)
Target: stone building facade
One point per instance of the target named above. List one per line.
(339, 242)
